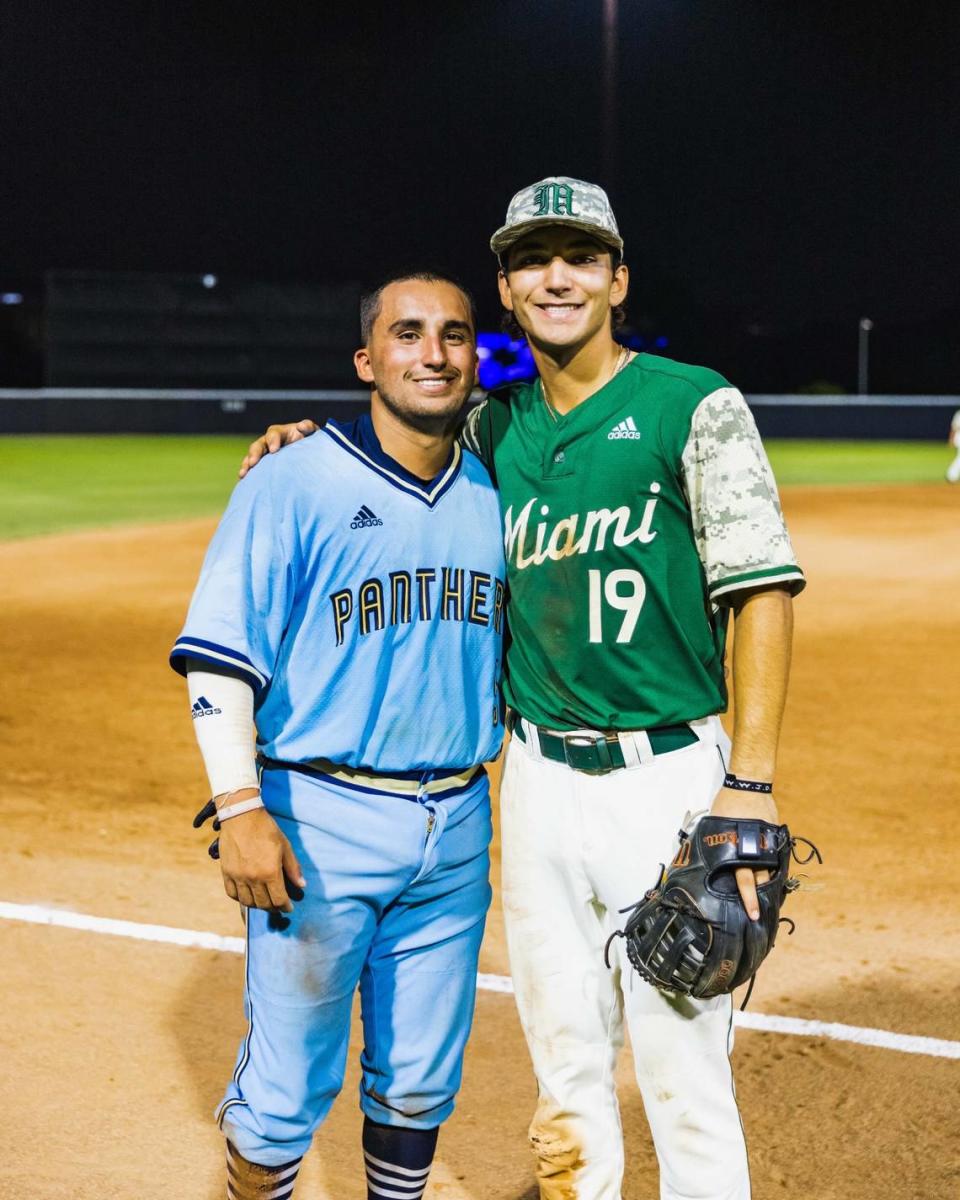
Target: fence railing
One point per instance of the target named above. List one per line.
(230, 410)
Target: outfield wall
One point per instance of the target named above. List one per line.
(157, 410)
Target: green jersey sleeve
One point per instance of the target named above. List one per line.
(737, 521)
(486, 425)
(475, 433)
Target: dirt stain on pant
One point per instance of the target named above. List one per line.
(557, 1145)
(249, 1181)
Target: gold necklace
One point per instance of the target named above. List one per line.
(618, 364)
(554, 415)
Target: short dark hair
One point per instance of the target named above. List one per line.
(370, 302)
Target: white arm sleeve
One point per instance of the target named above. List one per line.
(222, 710)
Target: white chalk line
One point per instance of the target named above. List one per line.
(36, 914)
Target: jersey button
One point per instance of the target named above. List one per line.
(558, 457)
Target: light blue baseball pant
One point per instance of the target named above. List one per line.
(396, 899)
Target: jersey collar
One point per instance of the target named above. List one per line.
(359, 439)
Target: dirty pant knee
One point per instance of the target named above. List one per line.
(579, 1154)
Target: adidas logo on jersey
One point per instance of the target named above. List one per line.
(365, 518)
(203, 708)
(626, 429)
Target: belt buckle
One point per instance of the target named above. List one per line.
(591, 755)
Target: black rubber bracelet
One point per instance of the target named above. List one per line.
(746, 785)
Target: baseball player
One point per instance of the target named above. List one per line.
(640, 514)
(953, 471)
(342, 611)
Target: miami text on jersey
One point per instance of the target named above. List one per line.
(566, 536)
(426, 594)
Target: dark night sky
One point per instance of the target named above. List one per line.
(791, 162)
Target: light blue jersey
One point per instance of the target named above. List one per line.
(365, 607)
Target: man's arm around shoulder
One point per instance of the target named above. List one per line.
(276, 437)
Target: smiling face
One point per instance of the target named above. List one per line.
(421, 354)
(561, 284)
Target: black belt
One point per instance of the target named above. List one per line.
(597, 753)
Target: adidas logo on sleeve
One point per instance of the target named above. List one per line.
(625, 429)
(365, 518)
(203, 708)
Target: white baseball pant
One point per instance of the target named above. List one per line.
(576, 849)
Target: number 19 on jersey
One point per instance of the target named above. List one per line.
(623, 591)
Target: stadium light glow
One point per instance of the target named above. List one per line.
(11, 298)
(503, 359)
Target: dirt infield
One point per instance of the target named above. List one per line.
(115, 1051)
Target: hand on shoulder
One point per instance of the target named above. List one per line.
(276, 437)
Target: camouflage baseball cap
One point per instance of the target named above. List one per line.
(559, 200)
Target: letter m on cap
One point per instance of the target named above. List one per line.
(554, 199)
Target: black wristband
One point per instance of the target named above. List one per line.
(746, 785)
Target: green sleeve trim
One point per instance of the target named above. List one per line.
(789, 574)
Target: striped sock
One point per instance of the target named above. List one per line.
(250, 1181)
(397, 1160)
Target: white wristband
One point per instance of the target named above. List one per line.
(238, 809)
(222, 709)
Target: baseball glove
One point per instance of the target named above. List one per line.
(691, 933)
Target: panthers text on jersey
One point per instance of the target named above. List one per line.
(363, 605)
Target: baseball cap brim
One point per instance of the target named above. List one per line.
(506, 235)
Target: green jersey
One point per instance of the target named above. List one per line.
(629, 524)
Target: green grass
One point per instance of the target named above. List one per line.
(56, 483)
(858, 462)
